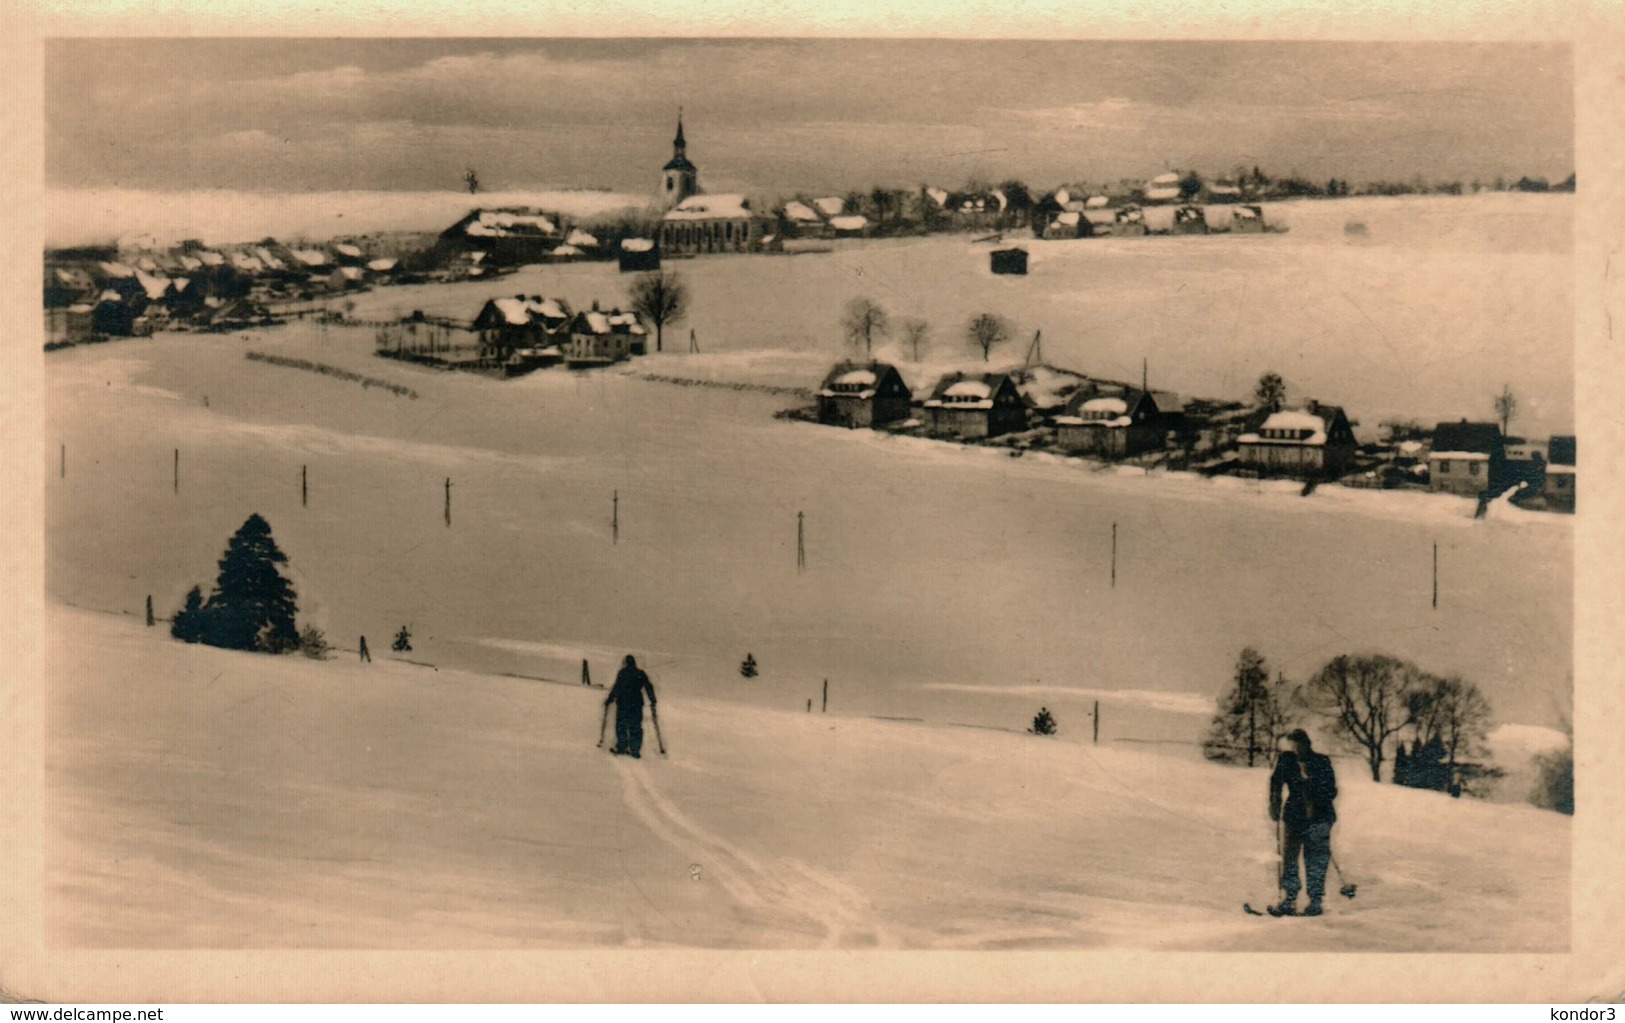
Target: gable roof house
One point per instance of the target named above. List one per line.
(1113, 422)
(975, 407)
(859, 395)
(509, 235)
(1467, 459)
(510, 324)
(1315, 441)
(598, 338)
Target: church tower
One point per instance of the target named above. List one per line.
(679, 179)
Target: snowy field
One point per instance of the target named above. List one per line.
(955, 586)
(238, 801)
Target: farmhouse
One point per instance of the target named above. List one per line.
(1467, 458)
(863, 395)
(511, 235)
(975, 407)
(1118, 425)
(1313, 441)
(508, 324)
(598, 338)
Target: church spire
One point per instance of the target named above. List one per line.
(679, 145)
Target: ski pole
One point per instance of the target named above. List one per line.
(1346, 890)
(654, 716)
(602, 726)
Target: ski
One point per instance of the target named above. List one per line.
(1277, 911)
(1248, 906)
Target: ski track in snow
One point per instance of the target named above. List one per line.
(791, 886)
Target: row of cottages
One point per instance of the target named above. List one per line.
(824, 218)
(543, 328)
(1315, 441)
(970, 210)
(1128, 221)
(1111, 421)
(710, 223)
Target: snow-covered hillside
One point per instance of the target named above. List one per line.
(198, 797)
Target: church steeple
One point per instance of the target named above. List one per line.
(679, 179)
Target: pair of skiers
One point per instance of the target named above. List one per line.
(627, 696)
(1306, 820)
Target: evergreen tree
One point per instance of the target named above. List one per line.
(1043, 722)
(187, 624)
(253, 606)
(748, 667)
(403, 641)
(1253, 716)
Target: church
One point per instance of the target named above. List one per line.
(695, 222)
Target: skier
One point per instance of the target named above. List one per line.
(365, 656)
(1307, 819)
(627, 695)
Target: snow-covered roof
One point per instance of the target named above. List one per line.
(349, 273)
(243, 261)
(855, 222)
(1160, 193)
(597, 322)
(711, 207)
(1169, 178)
(801, 212)
(1410, 447)
(1101, 216)
(1068, 219)
(627, 322)
(637, 244)
(581, 238)
(212, 258)
(382, 266)
(1102, 405)
(566, 250)
(1560, 470)
(515, 311)
(1063, 196)
(80, 307)
(191, 263)
(1000, 199)
(310, 257)
(347, 250)
(1247, 212)
(855, 378)
(117, 270)
(155, 286)
(502, 223)
(1223, 188)
(830, 205)
(1458, 456)
(1303, 428)
(1095, 202)
(937, 195)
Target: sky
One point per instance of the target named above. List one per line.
(781, 116)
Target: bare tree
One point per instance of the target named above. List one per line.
(661, 297)
(1367, 699)
(863, 320)
(1506, 407)
(1452, 711)
(471, 181)
(916, 334)
(987, 330)
(1270, 392)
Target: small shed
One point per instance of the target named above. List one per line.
(1009, 261)
(976, 407)
(638, 255)
(1467, 459)
(859, 395)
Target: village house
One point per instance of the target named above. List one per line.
(638, 255)
(1559, 488)
(975, 407)
(510, 236)
(1314, 441)
(1112, 425)
(858, 395)
(854, 225)
(599, 338)
(1467, 459)
(709, 223)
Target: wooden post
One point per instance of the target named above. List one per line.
(151, 621)
(1114, 555)
(801, 542)
(177, 476)
(64, 469)
(304, 488)
(615, 518)
(1097, 721)
(825, 709)
(586, 676)
(1435, 575)
(809, 705)
(448, 501)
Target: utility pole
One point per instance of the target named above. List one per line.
(615, 518)
(1114, 555)
(1435, 575)
(304, 488)
(1096, 716)
(825, 709)
(177, 476)
(448, 501)
(64, 470)
(801, 542)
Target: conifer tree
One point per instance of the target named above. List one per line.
(253, 606)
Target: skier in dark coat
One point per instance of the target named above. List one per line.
(627, 696)
(1307, 818)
